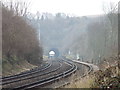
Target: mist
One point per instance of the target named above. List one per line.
(63, 47)
(90, 37)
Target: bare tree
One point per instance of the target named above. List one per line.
(19, 38)
(19, 8)
(111, 12)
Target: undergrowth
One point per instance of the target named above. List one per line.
(14, 66)
(107, 78)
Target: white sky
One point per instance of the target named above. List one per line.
(75, 7)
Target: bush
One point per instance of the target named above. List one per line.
(19, 39)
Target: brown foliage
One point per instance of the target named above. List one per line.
(19, 38)
(107, 78)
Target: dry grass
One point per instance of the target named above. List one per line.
(85, 82)
(105, 78)
(108, 78)
(9, 69)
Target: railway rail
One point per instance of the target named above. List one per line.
(26, 78)
(18, 77)
(35, 74)
(56, 70)
(91, 68)
(40, 77)
(46, 66)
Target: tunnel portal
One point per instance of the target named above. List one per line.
(56, 51)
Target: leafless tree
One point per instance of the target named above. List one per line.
(111, 12)
(19, 8)
(18, 37)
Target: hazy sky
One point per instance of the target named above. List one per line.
(75, 7)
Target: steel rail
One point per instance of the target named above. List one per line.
(27, 72)
(89, 71)
(49, 79)
(32, 76)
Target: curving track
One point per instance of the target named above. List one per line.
(83, 69)
(55, 70)
(12, 78)
(27, 72)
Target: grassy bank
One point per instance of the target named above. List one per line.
(14, 66)
(85, 82)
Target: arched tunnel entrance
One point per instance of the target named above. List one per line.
(54, 52)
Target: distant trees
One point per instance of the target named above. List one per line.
(111, 13)
(92, 37)
(103, 34)
(19, 39)
(19, 8)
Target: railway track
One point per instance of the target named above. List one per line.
(27, 77)
(30, 76)
(18, 77)
(54, 71)
(83, 70)
(46, 66)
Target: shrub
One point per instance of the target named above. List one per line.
(19, 39)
